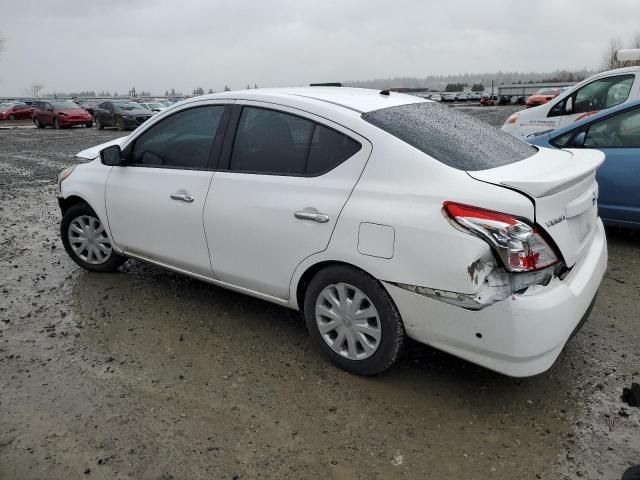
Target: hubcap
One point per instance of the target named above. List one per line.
(348, 321)
(89, 240)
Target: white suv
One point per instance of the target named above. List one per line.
(377, 214)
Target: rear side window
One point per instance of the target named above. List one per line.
(278, 143)
(450, 136)
(182, 140)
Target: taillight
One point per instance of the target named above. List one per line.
(520, 246)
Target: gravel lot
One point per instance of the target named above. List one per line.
(145, 374)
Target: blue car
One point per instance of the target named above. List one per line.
(616, 132)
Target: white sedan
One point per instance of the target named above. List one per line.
(378, 215)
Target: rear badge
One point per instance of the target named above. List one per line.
(554, 221)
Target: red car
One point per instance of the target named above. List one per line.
(60, 114)
(542, 96)
(15, 111)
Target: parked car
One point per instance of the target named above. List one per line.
(615, 132)
(474, 97)
(474, 242)
(487, 101)
(436, 97)
(598, 92)
(448, 97)
(461, 97)
(153, 106)
(120, 114)
(15, 111)
(60, 114)
(504, 100)
(90, 105)
(542, 96)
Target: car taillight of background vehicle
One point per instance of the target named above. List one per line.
(519, 245)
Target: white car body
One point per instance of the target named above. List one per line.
(155, 107)
(385, 217)
(551, 115)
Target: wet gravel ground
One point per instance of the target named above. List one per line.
(145, 374)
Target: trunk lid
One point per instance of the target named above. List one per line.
(562, 185)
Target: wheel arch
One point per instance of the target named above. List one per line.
(311, 271)
(70, 201)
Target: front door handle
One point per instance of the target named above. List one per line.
(311, 214)
(183, 197)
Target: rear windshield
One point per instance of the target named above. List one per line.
(450, 136)
(65, 104)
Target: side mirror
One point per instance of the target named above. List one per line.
(568, 106)
(579, 139)
(112, 156)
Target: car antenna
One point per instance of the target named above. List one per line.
(385, 92)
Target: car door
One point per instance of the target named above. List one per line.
(46, 115)
(283, 180)
(155, 202)
(618, 136)
(602, 93)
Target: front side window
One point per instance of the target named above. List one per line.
(278, 143)
(604, 93)
(182, 140)
(598, 95)
(617, 131)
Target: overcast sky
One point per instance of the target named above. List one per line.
(156, 45)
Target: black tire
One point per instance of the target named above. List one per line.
(392, 329)
(113, 261)
(89, 124)
(56, 124)
(120, 125)
(98, 123)
(37, 123)
(12, 117)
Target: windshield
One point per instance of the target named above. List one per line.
(129, 106)
(61, 105)
(450, 136)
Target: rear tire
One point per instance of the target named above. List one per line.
(98, 123)
(12, 117)
(360, 311)
(89, 125)
(86, 241)
(120, 125)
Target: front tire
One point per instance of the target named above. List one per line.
(120, 125)
(89, 124)
(86, 241)
(353, 321)
(56, 124)
(99, 124)
(37, 123)
(12, 117)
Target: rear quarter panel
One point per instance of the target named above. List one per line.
(403, 188)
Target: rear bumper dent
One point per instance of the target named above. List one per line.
(520, 336)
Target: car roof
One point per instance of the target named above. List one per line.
(593, 118)
(357, 99)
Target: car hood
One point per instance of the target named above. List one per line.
(93, 152)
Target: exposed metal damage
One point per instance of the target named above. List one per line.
(495, 284)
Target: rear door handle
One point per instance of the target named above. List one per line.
(311, 214)
(183, 197)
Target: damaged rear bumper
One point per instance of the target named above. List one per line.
(519, 336)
